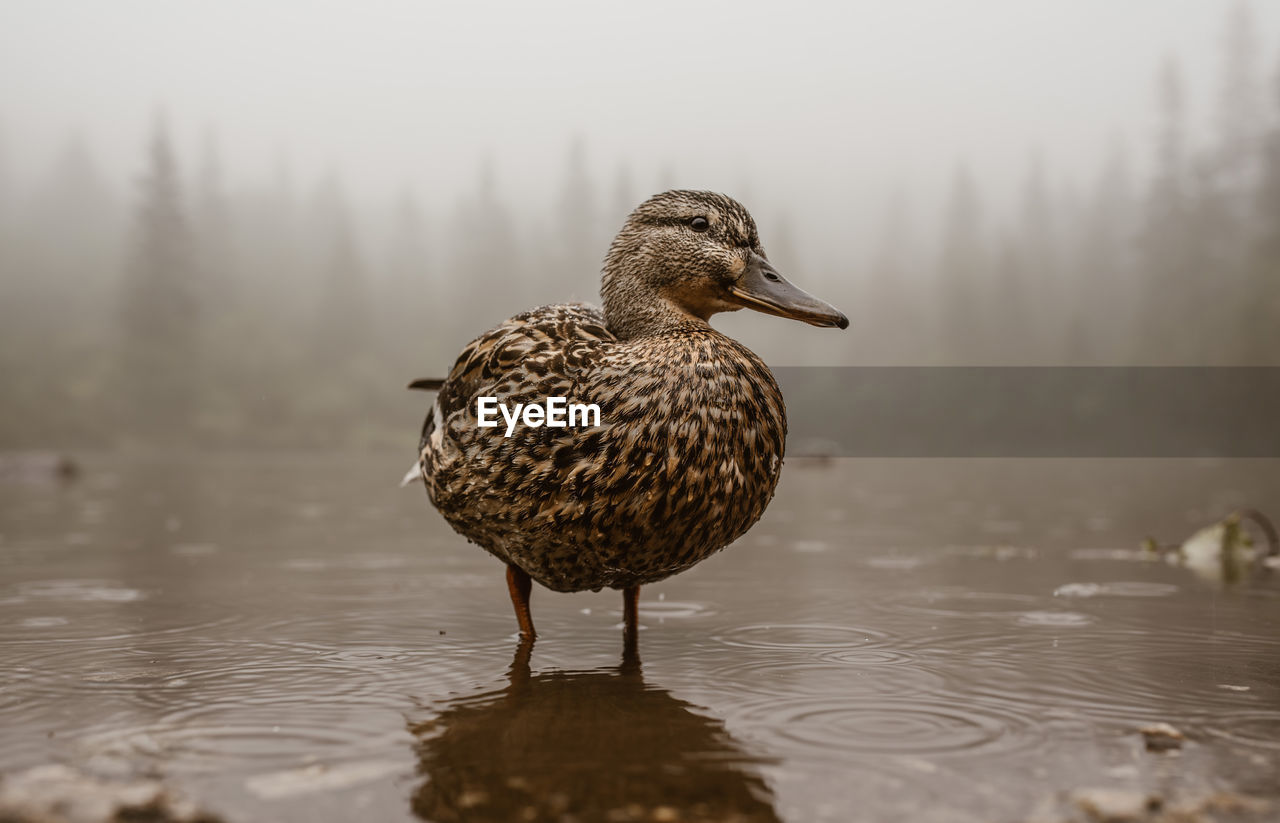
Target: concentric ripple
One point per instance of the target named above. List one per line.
(827, 676)
(810, 636)
(954, 602)
(1064, 620)
(869, 656)
(922, 725)
(1108, 673)
(241, 739)
(662, 610)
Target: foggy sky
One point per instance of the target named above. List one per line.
(818, 105)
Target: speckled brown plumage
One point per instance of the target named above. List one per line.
(685, 459)
(693, 425)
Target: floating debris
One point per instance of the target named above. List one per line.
(1225, 551)
(59, 794)
(1162, 737)
(1078, 590)
(1135, 588)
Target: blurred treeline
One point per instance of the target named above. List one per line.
(187, 312)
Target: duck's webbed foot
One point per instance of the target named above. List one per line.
(520, 586)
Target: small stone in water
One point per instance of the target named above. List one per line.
(318, 777)
(1078, 590)
(1161, 737)
(59, 794)
(1116, 805)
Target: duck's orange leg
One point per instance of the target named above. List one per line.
(630, 616)
(519, 585)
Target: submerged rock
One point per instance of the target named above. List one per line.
(1116, 805)
(38, 468)
(59, 794)
(1123, 805)
(1162, 737)
(318, 777)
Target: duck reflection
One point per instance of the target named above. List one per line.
(594, 745)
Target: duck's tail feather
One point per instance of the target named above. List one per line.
(427, 384)
(414, 475)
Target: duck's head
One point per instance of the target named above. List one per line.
(686, 255)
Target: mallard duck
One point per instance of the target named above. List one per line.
(692, 425)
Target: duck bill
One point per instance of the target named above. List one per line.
(762, 288)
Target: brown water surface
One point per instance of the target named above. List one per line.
(292, 638)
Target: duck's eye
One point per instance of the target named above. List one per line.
(699, 224)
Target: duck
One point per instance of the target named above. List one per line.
(686, 450)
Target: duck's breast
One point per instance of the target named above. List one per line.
(695, 447)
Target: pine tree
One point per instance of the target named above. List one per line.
(891, 331)
(1227, 211)
(962, 272)
(1260, 323)
(1044, 317)
(1240, 106)
(1012, 328)
(213, 236)
(343, 322)
(487, 281)
(580, 251)
(1170, 257)
(160, 313)
(408, 300)
(1107, 289)
(75, 200)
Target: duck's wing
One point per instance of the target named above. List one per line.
(542, 352)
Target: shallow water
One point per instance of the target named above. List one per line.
(293, 638)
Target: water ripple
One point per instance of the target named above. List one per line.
(955, 602)
(812, 636)
(1064, 620)
(1257, 728)
(924, 724)
(241, 738)
(827, 676)
(1107, 673)
(662, 610)
(107, 591)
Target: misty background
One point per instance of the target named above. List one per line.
(230, 224)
